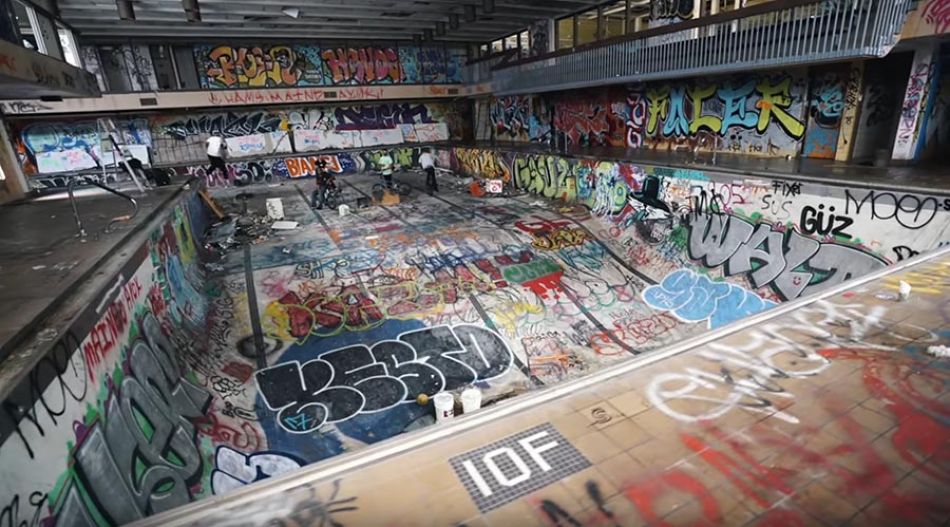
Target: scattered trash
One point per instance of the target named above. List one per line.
(275, 209)
(537, 203)
(38, 267)
(942, 352)
(65, 266)
(47, 335)
(422, 399)
(287, 250)
(214, 268)
(344, 210)
(904, 290)
(471, 400)
(886, 296)
(284, 225)
(372, 238)
(444, 406)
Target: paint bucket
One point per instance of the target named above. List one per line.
(444, 404)
(904, 290)
(344, 210)
(275, 208)
(471, 400)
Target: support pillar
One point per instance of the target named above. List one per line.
(853, 97)
(909, 129)
(13, 185)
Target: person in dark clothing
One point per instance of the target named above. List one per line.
(319, 196)
(134, 167)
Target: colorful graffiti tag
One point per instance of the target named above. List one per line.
(259, 67)
(178, 139)
(301, 65)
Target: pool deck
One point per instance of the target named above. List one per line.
(823, 411)
(43, 260)
(923, 179)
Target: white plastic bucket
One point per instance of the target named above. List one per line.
(275, 208)
(444, 404)
(471, 400)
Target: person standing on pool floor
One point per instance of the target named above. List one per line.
(386, 167)
(217, 151)
(427, 162)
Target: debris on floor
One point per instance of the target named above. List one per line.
(942, 352)
(284, 225)
(904, 290)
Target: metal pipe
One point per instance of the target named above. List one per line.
(113, 221)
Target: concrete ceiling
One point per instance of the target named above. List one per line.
(318, 19)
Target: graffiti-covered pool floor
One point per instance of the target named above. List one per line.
(358, 315)
(831, 413)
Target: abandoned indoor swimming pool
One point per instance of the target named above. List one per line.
(224, 352)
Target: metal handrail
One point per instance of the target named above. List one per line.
(786, 33)
(113, 221)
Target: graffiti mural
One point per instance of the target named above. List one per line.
(301, 65)
(343, 383)
(584, 123)
(696, 298)
(520, 118)
(362, 65)
(826, 106)
(49, 147)
(540, 36)
(760, 115)
(258, 67)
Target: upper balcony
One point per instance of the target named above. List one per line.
(48, 67)
(774, 34)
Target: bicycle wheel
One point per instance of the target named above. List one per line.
(403, 189)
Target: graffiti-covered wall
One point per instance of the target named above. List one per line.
(520, 118)
(276, 169)
(109, 426)
(48, 147)
(289, 65)
(771, 114)
(782, 239)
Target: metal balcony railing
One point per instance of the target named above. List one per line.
(775, 34)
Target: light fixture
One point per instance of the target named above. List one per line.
(126, 12)
(192, 11)
(292, 12)
(470, 15)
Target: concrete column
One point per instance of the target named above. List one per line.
(909, 132)
(853, 97)
(14, 185)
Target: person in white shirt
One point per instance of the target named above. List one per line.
(386, 166)
(217, 151)
(427, 162)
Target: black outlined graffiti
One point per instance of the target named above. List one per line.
(789, 262)
(57, 380)
(909, 210)
(358, 379)
(815, 221)
(129, 472)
